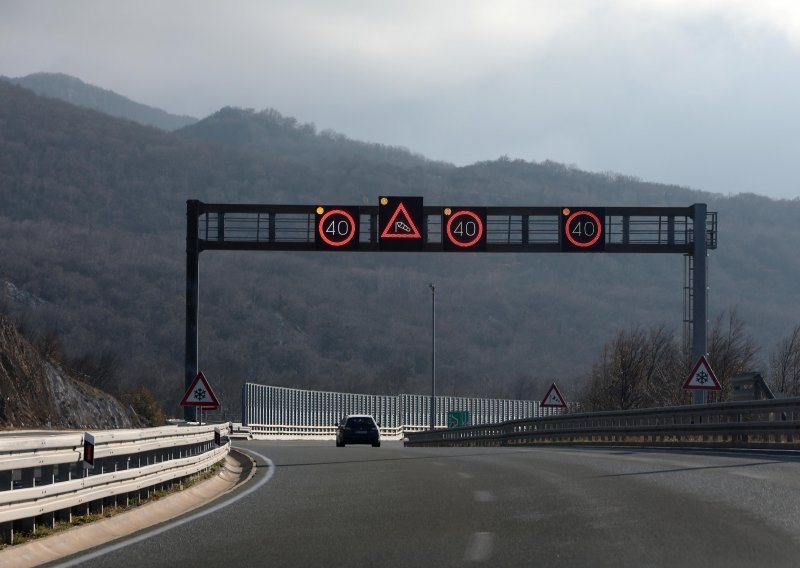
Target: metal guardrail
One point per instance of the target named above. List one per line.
(295, 432)
(760, 424)
(43, 477)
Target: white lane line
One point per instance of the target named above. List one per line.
(750, 475)
(465, 475)
(483, 497)
(82, 559)
(439, 464)
(479, 547)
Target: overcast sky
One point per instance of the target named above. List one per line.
(700, 93)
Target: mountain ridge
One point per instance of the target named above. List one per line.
(93, 214)
(74, 91)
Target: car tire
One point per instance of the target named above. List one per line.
(376, 445)
(339, 444)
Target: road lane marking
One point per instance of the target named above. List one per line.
(465, 475)
(439, 464)
(479, 547)
(84, 558)
(751, 475)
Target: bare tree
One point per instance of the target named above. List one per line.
(97, 369)
(784, 365)
(50, 345)
(731, 350)
(637, 370)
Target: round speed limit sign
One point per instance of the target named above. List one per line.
(583, 229)
(337, 228)
(464, 229)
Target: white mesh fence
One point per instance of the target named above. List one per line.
(282, 412)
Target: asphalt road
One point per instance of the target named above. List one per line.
(393, 506)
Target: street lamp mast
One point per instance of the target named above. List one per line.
(433, 357)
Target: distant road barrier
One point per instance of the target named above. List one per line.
(751, 424)
(43, 478)
(282, 413)
(294, 432)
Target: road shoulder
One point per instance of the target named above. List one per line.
(237, 469)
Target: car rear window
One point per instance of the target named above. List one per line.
(360, 422)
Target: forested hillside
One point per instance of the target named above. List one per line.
(38, 392)
(92, 220)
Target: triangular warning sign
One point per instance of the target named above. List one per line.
(553, 398)
(401, 225)
(200, 394)
(702, 377)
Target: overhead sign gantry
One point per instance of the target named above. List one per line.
(406, 224)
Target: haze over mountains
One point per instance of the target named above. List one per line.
(75, 91)
(92, 220)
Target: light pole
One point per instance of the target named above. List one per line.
(433, 356)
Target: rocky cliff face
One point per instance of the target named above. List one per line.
(36, 393)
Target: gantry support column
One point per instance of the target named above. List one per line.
(700, 292)
(192, 299)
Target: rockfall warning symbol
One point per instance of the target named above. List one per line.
(401, 223)
(400, 229)
(553, 398)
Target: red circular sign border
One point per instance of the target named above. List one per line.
(325, 239)
(478, 220)
(594, 240)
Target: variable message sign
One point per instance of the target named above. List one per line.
(583, 229)
(402, 223)
(336, 228)
(464, 229)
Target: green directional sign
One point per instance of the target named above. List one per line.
(458, 419)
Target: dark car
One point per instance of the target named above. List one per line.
(358, 429)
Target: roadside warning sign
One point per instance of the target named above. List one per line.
(200, 394)
(553, 398)
(702, 377)
(401, 223)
